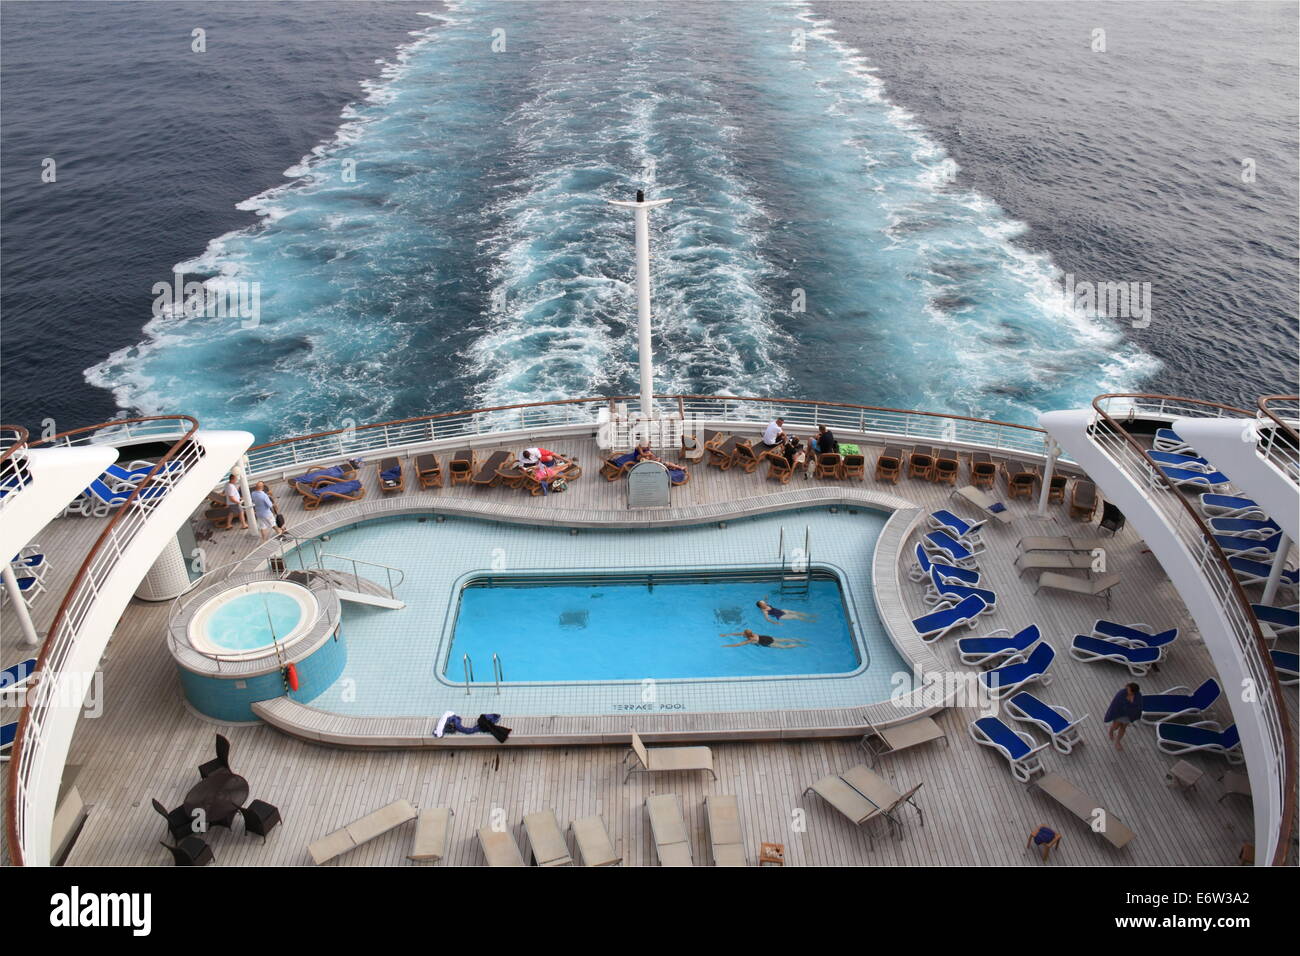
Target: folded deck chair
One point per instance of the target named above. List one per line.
(1257, 572)
(1053, 719)
(1283, 620)
(431, 827)
(1166, 439)
(1018, 748)
(499, 847)
(667, 759)
(1060, 543)
(1245, 527)
(921, 567)
(360, 831)
(1052, 561)
(860, 795)
(391, 475)
(1286, 664)
(342, 491)
(1234, 546)
(1138, 660)
(1204, 736)
(1230, 506)
(1187, 478)
(930, 627)
(1176, 460)
(889, 466)
(997, 644)
(1083, 500)
(985, 503)
(942, 592)
(940, 542)
(428, 470)
(546, 841)
(1177, 702)
(672, 846)
(1020, 669)
(968, 532)
(1086, 808)
(594, 845)
(1100, 587)
(1137, 635)
(726, 844)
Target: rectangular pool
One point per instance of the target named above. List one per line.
(584, 627)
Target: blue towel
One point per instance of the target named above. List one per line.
(391, 475)
(335, 471)
(676, 475)
(997, 507)
(627, 459)
(453, 723)
(342, 488)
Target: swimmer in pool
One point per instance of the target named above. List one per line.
(763, 640)
(775, 615)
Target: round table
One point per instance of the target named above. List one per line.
(217, 795)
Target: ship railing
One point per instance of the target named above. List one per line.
(1276, 423)
(14, 475)
(40, 707)
(1110, 434)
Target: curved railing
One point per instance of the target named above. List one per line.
(1130, 456)
(1278, 441)
(104, 556)
(13, 471)
(891, 422)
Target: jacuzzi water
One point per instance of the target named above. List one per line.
(250, 621)
(604, 630)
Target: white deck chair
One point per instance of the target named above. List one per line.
(667, 759)
(1100, 587)
(594, 845)
(672, 846)
(360, 831)
(499, 847)
(546, 840)
(726, 844)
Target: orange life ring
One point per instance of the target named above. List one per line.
(291, 676)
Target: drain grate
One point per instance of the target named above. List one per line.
(574, 620)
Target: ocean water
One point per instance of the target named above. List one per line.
(918, 177)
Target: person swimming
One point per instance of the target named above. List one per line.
(763, 640)
(775, 614)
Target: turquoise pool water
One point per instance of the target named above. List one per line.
(248, 621)
(601, 630)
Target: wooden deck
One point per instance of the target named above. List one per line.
(148, 743)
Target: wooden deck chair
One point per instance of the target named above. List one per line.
(983, 470)
(485, 476)
(339, 491)
(947, 468)
(920, 463)
(889, 466)
(745, 457)
(461, 467)
(428, 470)
(829, 465)
(1021, 479)
(1083, 500)
(778, 467)
(388, 465)
(855, 466)
(1056, 489)
(667, 759)
(723, 454)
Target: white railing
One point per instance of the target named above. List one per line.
(1108, 433)
(1276, 423)
(887, 423)
(13, 464)
(41, 705)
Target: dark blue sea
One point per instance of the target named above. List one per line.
(877, 202)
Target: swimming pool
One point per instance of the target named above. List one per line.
(250, 618)
(639, 626)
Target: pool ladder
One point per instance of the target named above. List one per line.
(467, 667)
(796, 574)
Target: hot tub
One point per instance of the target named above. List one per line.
(246, 621)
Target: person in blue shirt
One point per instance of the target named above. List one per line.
(1125, 708)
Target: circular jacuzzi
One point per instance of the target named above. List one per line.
(245, 622)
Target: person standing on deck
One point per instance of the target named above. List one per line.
(233, 500)
(263, 510)
(1124, 709)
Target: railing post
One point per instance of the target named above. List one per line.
(1053, 449)
(1275, 572)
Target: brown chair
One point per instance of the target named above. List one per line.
(779, 467)
(349, 473)
(829, 466)
(1083, 500)
(387, 465)
(223, 517)
(485, 476)
(889, 466)
(920, 464)
(1021, 479)
(855, 466)
(693, 449)
(429, 471)
(612, 470)
(314, 499)
(723, 455)
(983, 470)
(1056, 489)
(511, 475)
(746, 457)
(462, 467)
(947, 468)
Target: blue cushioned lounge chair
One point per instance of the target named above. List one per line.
(997, 644)
(1020, 670)
(1287, 666)
(1054, 720)
(1230, 506)
(1176, 702)
(1204, 736)
(1018, 749)
(1090, 649)
(921, 567)
(1136, 635)
(1283, 620)
(957, 527)
(935, 625)
(941, 542)
(1187, 478)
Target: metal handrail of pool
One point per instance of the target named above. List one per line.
(1129, 455)
(887, 423)
(1278, 441)
(120, 530)
(298, 549)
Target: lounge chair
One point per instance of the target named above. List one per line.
(546, 842)
(997, 645)
(967, 532)
(1086, 808)
(920, 463)
(1018, 748)
(1019, 670)
(942, 592)
(861, 794)
(1286, 664)
(1230, 506)
(1021, 479)
(985, 503)
(829, 465)
(922, 566)
(947, 468)
(512, 476)
(461, 467)
(1053, 719)
(30, 587)
(594, 845)
(499, 847)
(1233, 546)
(1056, 489)
(1052, 561)
(1175, 460)
(896, 737)
(855, 466)
(1166, 439)
(726, 843)
(672, 847)
(1083, 500)
(428, 470)
(723, 455)
(1282, 620)
(1138, 660)
(7, 734)
(1100, 587)
(1187, 478)
(1204, 736)
(430, 840)
(962, 555)
(746, 458)
(694, 448)
(360, 831)
(99, 499)
(889, 466)
(485, 475)
(1245, 527)
(1176, 702)
(1061, 543)
(1137, 635)
(321, 476)
(930, 627)
(983, 470)
(391, 476)
(16, 677)
(342, 491)
(1257, 572)
(667, 759)
(779, 468)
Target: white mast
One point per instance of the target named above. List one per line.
(645, 357)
